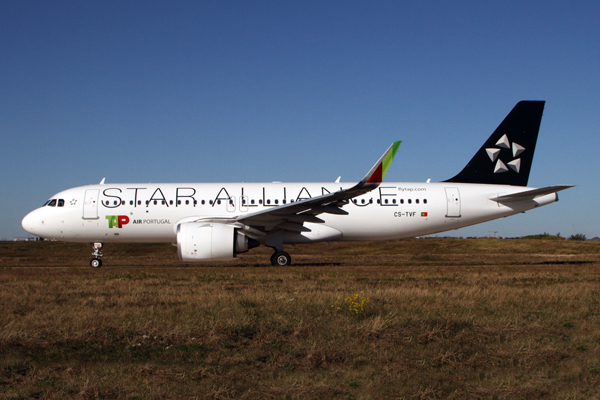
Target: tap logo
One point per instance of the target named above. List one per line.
(117, 220)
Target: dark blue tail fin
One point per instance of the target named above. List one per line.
(506, 157)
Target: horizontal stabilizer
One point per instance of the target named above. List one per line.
(531, 194)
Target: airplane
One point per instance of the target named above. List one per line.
(218, 221)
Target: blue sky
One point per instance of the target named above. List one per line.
(294, 91)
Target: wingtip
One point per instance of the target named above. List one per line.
(379, 170)
(389, 157)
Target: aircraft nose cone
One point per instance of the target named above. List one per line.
(32, 222)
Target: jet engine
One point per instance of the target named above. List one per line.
(201, 241)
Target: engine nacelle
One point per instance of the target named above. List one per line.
(201, 241)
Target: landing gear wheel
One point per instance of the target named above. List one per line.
(96, 263)
(281, 258)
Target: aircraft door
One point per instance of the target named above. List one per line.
(90, 204)
(453, 203)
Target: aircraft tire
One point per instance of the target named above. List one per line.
(281, 258)
(96, 263)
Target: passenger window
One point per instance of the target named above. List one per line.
(409, 201)
(115, 203)
(171, 202)
(394, 201)
(203, 202)
(378, 201)
(276, 201)
(260, 201)
(386, 201)
(424, 201)
(417, 201)
(130, 202)
(401, 201)
(284, 201)
(187, 202)
(268, 201)
(155, 202)
(195, 202)
(139, 202)
(178, 202)
(52, 203)
(61, 203)
(252, 201)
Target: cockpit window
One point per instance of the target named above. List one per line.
(61, 203)
(46, 203)
(52, 203)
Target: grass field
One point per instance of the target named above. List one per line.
(412, 319)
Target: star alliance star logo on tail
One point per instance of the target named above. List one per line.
(494, 152)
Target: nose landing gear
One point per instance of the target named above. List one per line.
(96, 262)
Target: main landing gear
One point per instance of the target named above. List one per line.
(281, 258)
(96, 262)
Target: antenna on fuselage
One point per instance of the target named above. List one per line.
(102, 181)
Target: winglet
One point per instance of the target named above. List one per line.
(378, 171)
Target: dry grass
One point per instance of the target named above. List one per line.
(484, 319)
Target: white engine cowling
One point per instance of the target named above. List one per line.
(201, 241)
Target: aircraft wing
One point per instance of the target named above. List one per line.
(291, 216)
(530, 194)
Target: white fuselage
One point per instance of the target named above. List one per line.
(151, 212)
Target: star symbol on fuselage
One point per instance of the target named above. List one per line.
(494, 152)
